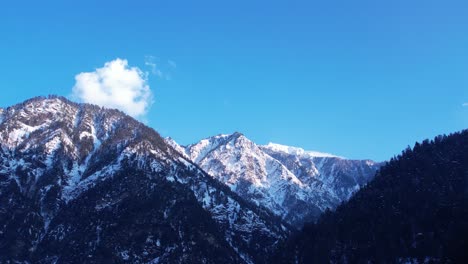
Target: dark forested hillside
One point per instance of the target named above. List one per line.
(416, 210)
(84, 184)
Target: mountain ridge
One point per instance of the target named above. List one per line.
(298, 150)
(263, 174)
(59, 159)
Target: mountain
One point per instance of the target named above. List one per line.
(296, 185)
(415, 210)
(84, 184)
(340, 176)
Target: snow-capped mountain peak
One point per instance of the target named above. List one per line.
(295, 184)
(246, 169)
(197, 152)
(298, 151)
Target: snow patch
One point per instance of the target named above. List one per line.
(2, 115)
(17, 135)
(124, 255)
(74, 189)
(51, 147)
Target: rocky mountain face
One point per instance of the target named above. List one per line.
(296, 185)
(341, 176)
(79, 183)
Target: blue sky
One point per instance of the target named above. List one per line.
(360, 79)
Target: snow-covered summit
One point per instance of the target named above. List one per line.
(298, 151)
(197, 152)
(239, 163)
(295, 184)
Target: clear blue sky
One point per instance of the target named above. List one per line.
(361, 79)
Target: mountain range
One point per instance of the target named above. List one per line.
(84, 184)
(79, 183)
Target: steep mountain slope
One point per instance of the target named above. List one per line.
(414, 211)
(79, 183)
(295, 185)
(239, 163)
(341, 177)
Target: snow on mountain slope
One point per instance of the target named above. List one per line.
(240, 164)
(1, 115)
(296, 185)
(171, 142)
(83, 183)
(342, 177)
(297, 151)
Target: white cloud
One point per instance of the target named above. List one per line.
(116, 85)
(150, 62)
(162, 70)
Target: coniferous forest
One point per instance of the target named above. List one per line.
(415, 210)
